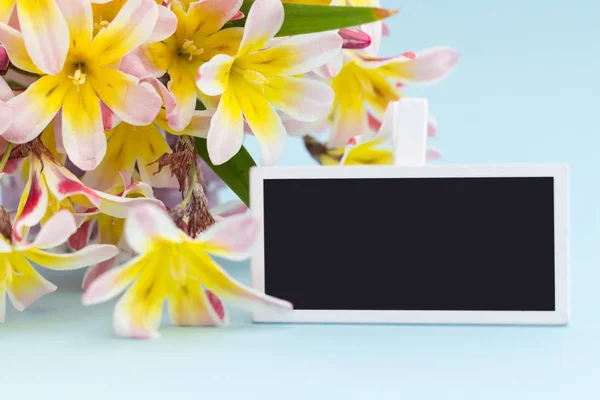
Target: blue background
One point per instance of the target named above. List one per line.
(525, 90)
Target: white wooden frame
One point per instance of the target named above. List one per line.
(561, 224)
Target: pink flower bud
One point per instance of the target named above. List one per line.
(4, 60)
(354, 38)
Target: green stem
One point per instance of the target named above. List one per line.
(6, 156)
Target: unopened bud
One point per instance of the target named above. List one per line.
(354, 38)
(4, 60)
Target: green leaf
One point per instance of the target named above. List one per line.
(303, 18)
(235, 172)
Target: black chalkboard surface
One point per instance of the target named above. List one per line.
(439, 244)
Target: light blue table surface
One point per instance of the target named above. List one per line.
(526, 90)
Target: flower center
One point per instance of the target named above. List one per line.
(78, 78)
(250, 75)
(190, 48)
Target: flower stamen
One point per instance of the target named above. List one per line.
(101, 25)
(189, 47)
(78, 78)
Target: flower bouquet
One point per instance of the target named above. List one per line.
(120, 119)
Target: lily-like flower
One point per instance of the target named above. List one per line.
(365, 83)
(79, 74)
(261, 76)
(23, 284)
(368, 149)
(172, 266)
(51, 187)
(197, 39)
(132, 147)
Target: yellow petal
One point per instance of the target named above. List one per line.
(6, 8)
(82, 130)
(24, 284)
(183, 87)
(46, 33)
(138, 312)
(226, 41)
(189, 305)
(120, 157)
(227, 288)
(151, 146)
(158, 55)
(90, 255)
(14, 43)
(110, 229)
(208, 16)
(131, 27)
(262, 118)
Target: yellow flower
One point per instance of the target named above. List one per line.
(197, 39)
(365, 84)
(261, 76)
(20, 280)
(172, 266)
(81, 72)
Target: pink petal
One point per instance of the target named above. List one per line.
(34, 201)
(81, 237)
(133, 102)
(229, 209)
(232, 238)
(147, 223)
(431, 126)
(6, 92)
(169, 102)
(264, 21)
(295, 55)
(433, 64)
(433, 154)
(6, 116)
(35, 108)
(302, 99)
(330, 69)
(239, 15)
(109, 118)
(226, 132)
(47, 38)
(95, 271)
(112, 283)
(165, 26)
(54, 232)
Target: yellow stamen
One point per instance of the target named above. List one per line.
(101, 25)
(190, 48)
(78, 78)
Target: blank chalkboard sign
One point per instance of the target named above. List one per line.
(434, 244)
